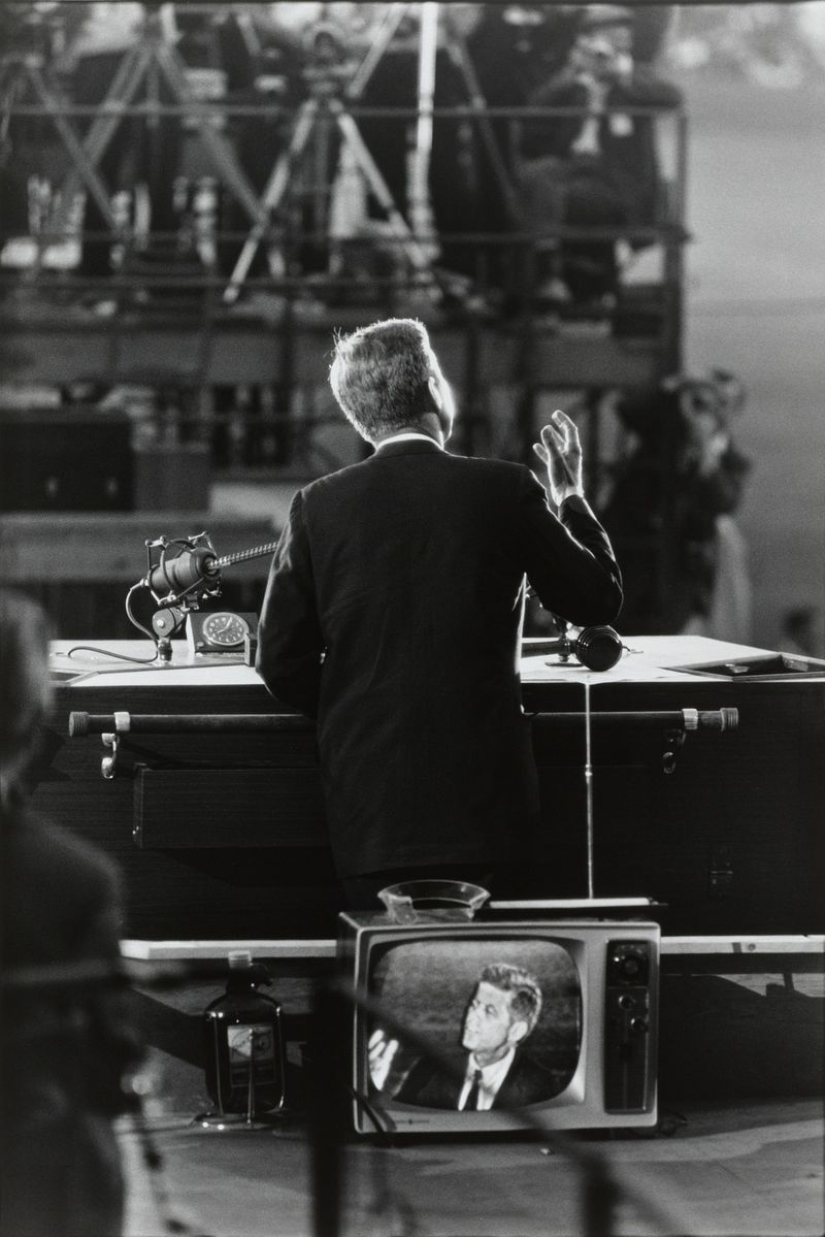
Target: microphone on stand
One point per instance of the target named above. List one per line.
(180, 582)
(177, 575)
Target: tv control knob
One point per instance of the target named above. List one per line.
(638, 1026)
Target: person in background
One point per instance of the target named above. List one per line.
(67, 1036)
(595, 165)
(801, 632)
(498, 1073)
(670, 511)
(393, 614)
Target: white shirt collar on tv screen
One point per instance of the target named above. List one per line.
(492, 1076)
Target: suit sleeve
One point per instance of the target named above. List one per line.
(290, 644)
(569, 560)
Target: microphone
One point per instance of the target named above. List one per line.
(179, 574)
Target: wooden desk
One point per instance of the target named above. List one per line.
(223, 835)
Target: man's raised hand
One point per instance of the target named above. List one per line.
(561, 453)
(380, 1051)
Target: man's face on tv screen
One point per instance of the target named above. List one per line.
(488, 1022)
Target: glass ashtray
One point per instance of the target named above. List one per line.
(410, 901)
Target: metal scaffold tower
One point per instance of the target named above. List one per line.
(176, 318)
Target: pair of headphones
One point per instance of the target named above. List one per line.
(597, 648)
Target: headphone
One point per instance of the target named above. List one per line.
(597, 648)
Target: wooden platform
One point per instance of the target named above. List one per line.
(288, 343)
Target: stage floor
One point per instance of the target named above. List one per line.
(728, 1169)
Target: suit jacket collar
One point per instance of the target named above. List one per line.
(408, 446)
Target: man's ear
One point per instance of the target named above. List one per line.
(435, 391)
(519, 1030)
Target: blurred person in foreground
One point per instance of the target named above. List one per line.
(67, 1041)
(393, 614)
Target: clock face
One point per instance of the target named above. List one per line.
(224, 630)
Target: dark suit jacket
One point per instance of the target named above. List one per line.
(63, 1049)
(526, 1082)
(406, 571)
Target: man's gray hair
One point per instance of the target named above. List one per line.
(380, 376)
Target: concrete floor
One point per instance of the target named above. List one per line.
(726, 1170)
(738, 1152)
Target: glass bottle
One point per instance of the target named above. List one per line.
(244, 1042)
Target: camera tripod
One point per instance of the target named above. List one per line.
(325, 106)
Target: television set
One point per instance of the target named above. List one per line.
(585, 1059)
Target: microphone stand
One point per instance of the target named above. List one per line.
(179, 582)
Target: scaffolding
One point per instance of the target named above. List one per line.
(246, 349)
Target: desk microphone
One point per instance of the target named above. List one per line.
(176, 575)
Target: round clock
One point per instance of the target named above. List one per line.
(223, 630)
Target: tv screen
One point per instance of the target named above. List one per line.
(466, 1024)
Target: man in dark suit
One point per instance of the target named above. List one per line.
(498, 1072)
(393, 615)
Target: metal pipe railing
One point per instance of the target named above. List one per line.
(83, 724)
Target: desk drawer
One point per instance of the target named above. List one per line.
(183, 809)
